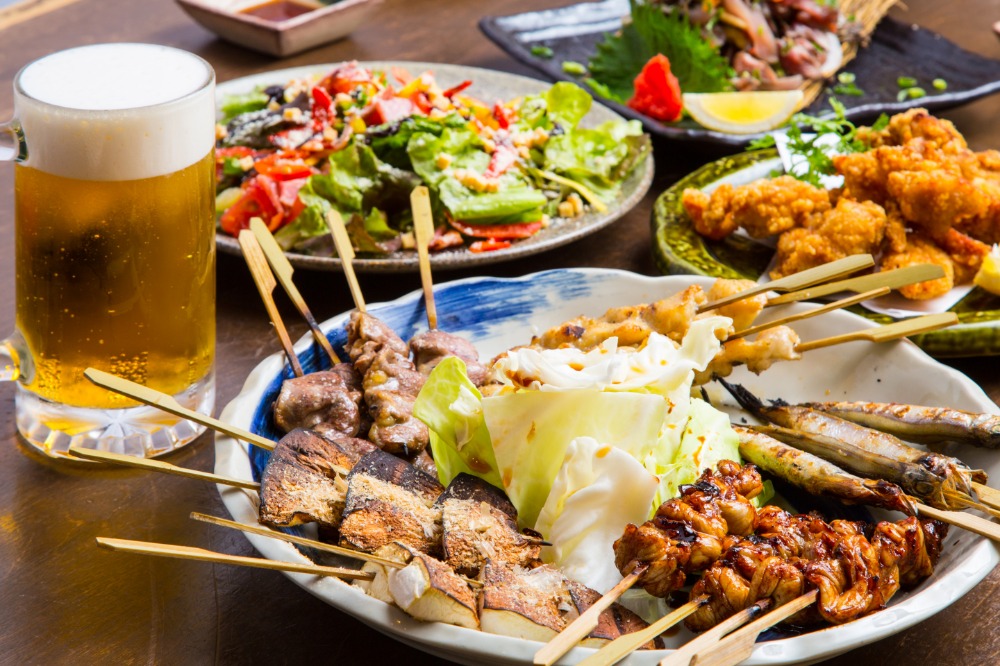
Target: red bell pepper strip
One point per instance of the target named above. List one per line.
(497, 231)
(505, 117)
(285, 165)
(657, 92)
(451, 92)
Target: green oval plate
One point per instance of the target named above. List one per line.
(678, 250)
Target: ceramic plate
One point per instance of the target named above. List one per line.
(498, 313)
(490, 86)
(679, 249)
(896, 48)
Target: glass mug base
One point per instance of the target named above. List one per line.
(140, 431)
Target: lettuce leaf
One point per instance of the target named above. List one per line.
(451, 407)
(707, 438)
(599, 489)
(531, 431)
(599, 158)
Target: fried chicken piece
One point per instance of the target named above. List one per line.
(921, 250)
(915, 124)
(849, 228)
(935, 200)
(966, 254)
(764, 207)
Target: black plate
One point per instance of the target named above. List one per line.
(896, 49)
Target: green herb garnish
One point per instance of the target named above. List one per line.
(542, 51)
(697, 64)
(910, 93)
(574, 68)
(939, 84)
(818, 161)
(906, 82)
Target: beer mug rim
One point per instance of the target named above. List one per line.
(208, 82)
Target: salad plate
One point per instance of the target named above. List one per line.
(496, 314)
(489, 86)
(679, 249)
(896, 49)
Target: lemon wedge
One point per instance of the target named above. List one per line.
(988, 276)
(742, 112)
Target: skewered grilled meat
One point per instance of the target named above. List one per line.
(928, 425)
(331, 398)
(391, 384)
(817, 476)
(304, 479)
(686, 534)
(431, 347)
(430, 590)
(672, 316)
(855, 575)
(390, 500)
(538, 603)
(480, 523)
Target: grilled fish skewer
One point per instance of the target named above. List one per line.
(927, 425)
(817, 476)
(913, 478)
(954, 475)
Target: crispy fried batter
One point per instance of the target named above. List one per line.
(920, 250)
(915, 124)
(849, 228)
(764, 207)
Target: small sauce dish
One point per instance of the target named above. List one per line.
(279, 27)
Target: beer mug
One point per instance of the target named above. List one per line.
(114, 244)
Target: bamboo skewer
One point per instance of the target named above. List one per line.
(829, 307)
(423, 229)
(966, 521)
(739, 645)
(988, 496)
(969, 503)
(200, 554)
(800, 280)
(623, 646)
(160, 466)
(308, 543)
(264, 279)
(167, 403)
(894, 279)
(682, 655)
(283, 271)
(581, 627)
(346, 253)
(885, 333)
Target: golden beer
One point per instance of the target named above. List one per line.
(115, 275)
(114, 192)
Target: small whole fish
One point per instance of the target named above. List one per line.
(927, 425)
(876, 449)
(817, 476)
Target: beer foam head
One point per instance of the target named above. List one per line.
(116, 111)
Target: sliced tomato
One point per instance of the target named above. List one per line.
(284, 165)
(489, 245)
(288, 191)
(386, 109)
(657, 92)
(260, 199)
(345, 79)
(497, 231)
(322, 105)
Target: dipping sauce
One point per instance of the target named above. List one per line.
(278, 10)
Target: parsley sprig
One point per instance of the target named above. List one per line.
(817, 156)
(698, 66)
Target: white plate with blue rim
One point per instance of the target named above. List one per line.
(496, 314)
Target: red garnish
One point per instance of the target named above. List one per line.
(260, 199)
(451, 92)
(497, 231)
(489, 245)
(657, 92)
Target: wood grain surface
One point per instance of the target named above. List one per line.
(64, 601)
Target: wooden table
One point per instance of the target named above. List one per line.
(64, 601)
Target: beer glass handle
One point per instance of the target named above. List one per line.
(10, 366)
(12, 145)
